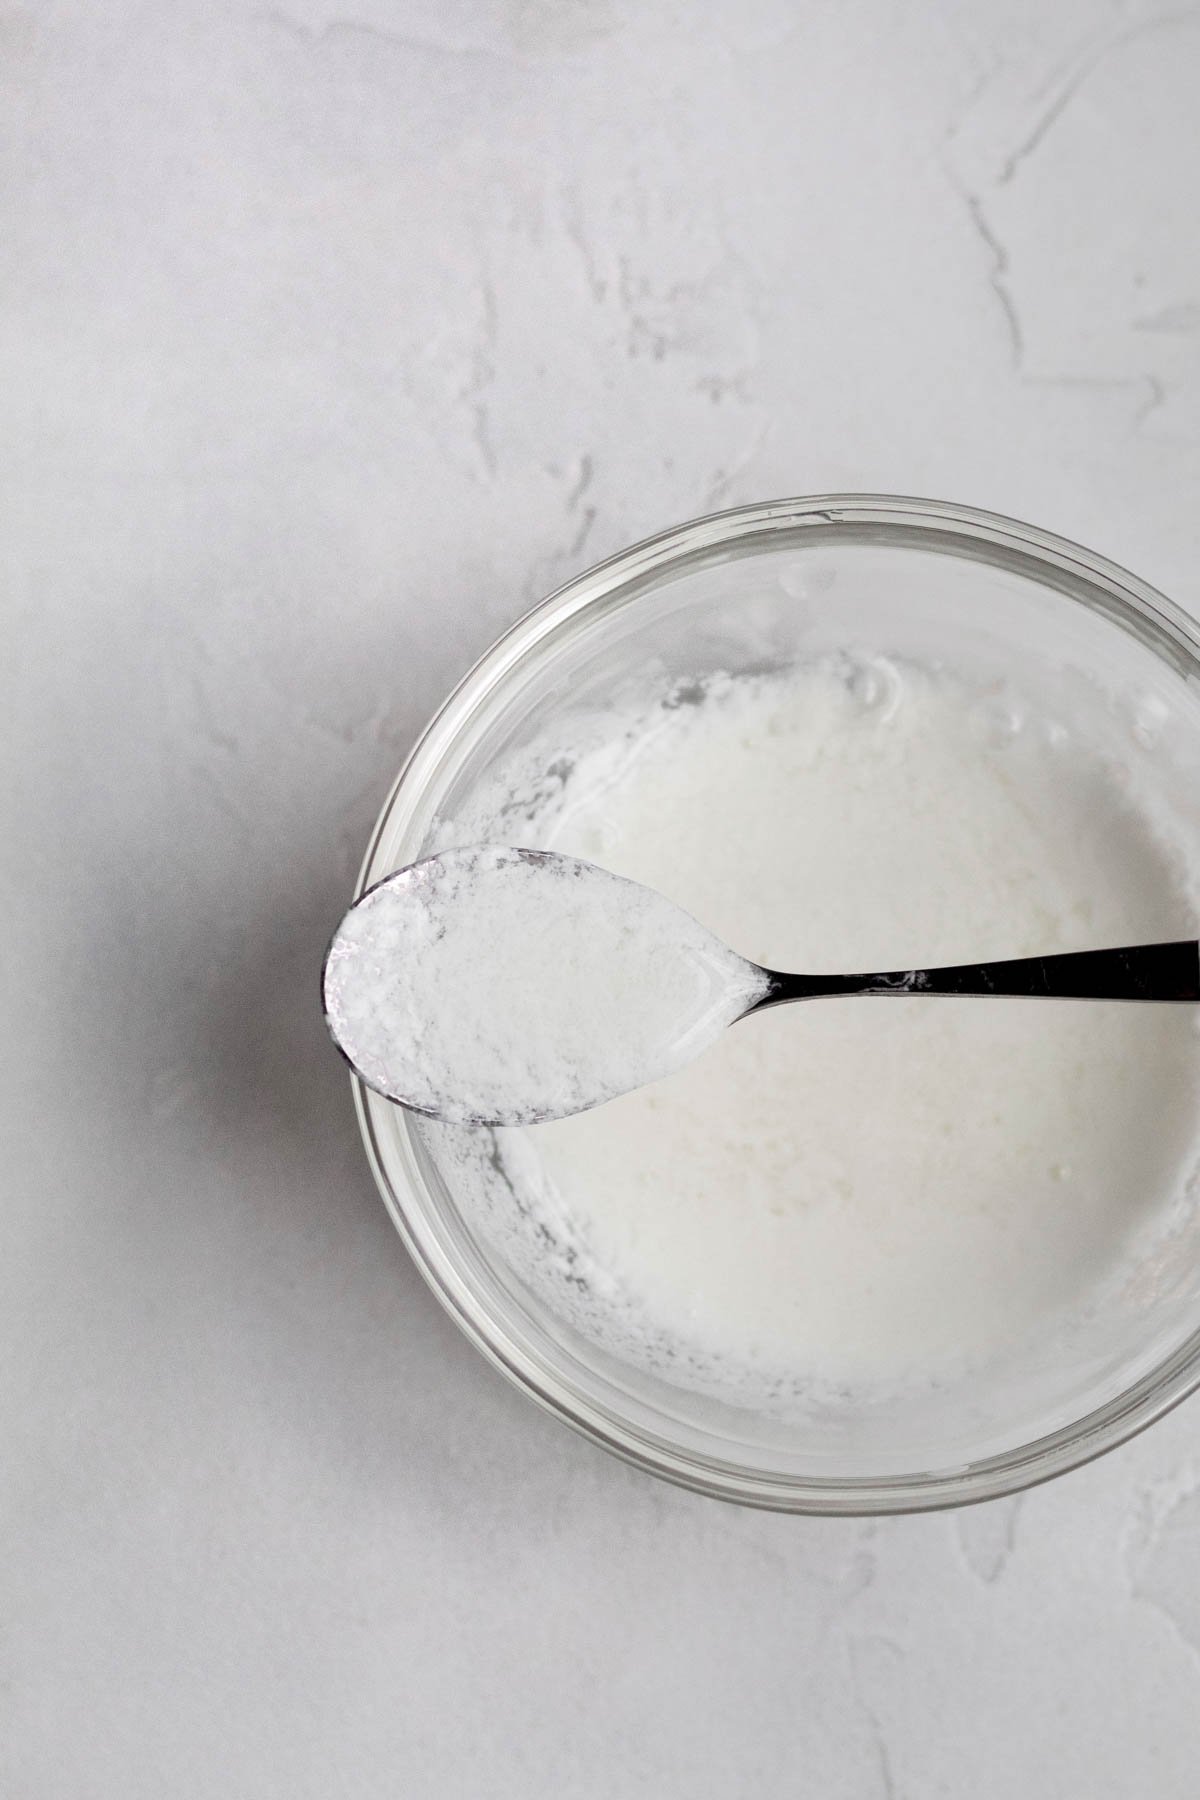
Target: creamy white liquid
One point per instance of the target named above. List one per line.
(862, 1191)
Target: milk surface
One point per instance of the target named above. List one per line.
(866, 1191)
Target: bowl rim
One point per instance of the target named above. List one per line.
(898, 520)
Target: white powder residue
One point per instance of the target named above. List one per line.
(500, 985)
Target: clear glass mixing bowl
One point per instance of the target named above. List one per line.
(751, 589)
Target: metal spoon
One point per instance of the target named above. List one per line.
(503, 986)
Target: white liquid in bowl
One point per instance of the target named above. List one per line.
(857, 1194)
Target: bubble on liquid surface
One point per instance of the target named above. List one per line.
(1150, 715)
(877, 687)
(998, 722)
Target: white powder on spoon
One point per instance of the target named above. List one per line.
(500, 985)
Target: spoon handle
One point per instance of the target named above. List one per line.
(1138, 972)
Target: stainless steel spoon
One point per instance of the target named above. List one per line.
(502, 986)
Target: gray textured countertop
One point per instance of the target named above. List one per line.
(333, 335)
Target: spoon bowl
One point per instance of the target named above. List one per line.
(495, 985)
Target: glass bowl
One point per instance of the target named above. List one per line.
(752, 589)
